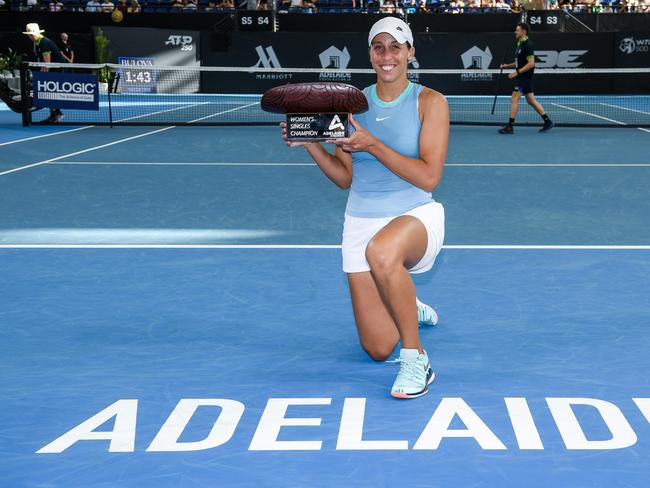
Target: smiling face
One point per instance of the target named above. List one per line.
(389, 58)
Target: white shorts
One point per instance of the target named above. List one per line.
(357, 232)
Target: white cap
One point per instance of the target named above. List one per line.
(33, 29)
(393, 26)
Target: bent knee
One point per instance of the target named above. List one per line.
(381, 259)
(378, 352)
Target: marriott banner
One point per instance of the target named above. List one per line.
(473, 54)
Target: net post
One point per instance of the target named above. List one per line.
(24, 94)
(111, 82)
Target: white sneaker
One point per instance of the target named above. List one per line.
(426, 314)
(415, 374)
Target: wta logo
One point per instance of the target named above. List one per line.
(630, 45)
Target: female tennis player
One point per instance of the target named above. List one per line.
(391, 163)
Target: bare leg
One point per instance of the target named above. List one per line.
(395, 248)
(532, 101)
(514, 104)
(378, 333)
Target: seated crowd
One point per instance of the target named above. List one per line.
(314, 6)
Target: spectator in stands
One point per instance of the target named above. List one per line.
(93, 6)
(582, 6)
(455, 7)
(295, 5)
(596, 7)
(226, 5)
(411, 7)
(66, 48)
(263, 5)
(177, 4)
(423, 8)
(122, 6)
(388, 7)
(629, 6)
(211, 7)
(135, 8)
(56, 6)
(107, 6)
(190, 6)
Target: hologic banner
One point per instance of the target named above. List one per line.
(65, 90)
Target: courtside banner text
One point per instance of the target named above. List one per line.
(65, 90)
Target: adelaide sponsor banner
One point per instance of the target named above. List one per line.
(65, 90)
(473, 54)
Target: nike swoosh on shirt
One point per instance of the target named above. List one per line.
(379, 119)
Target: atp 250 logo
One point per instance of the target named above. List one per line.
(186, 43)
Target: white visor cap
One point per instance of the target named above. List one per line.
(393, 26)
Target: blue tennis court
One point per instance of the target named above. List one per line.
(211, 109)
(175, 314)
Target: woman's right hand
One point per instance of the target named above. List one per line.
(283, 128)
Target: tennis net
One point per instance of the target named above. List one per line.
(172, 95)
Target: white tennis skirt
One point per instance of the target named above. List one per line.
(357, 232)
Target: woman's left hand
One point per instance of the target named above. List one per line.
(361, 140)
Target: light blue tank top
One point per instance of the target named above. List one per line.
(376, 191)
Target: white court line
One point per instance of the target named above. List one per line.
(45, 135)
(114, 142)
(225, 112)
(588, 113)
(504, 247)
(143, 163)
(631, 110)
(89, 126)
(625, 108)
(161, 112)
(598, 116)
(84, 151)
(496, 165)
